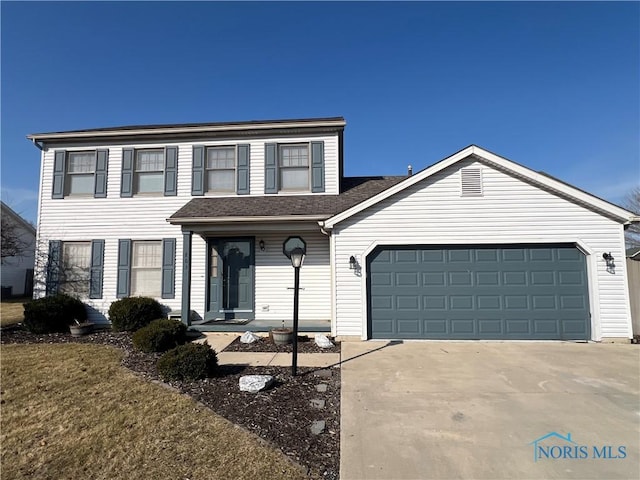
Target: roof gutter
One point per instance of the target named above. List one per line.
(264, 218)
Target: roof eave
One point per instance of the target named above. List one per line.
(195, 130)
(245, 219)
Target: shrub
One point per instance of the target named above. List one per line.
(192, 361)
(132, 313)
(160, 335)
(53, 314)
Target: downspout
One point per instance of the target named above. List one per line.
(327, 232)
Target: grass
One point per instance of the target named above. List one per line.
(71, 411)
(12, 311)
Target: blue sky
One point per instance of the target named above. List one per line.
(553, 86)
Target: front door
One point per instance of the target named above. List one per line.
(231, 262)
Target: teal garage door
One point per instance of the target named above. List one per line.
(516, 292)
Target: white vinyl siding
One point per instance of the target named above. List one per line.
(510, 211)
(146, 268)
(145, 217)
(81, 167)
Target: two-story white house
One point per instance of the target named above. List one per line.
(195, 215)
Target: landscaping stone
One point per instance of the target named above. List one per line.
(249, 337)
(317, 403)
(317, 427)
(323, 373)
(323, 341)
(255, 383)
(321, 388)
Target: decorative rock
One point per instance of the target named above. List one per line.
(323, 341)
(323, 373)
(255, 383)
(317, 403)
(249, 337)
(317, 427)
(322, 387)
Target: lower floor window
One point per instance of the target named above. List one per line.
(75, 271)
(146, 268)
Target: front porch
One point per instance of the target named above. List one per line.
(257, 326)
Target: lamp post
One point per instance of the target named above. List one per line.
(295, 249)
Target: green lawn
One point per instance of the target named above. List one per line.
(71, 411)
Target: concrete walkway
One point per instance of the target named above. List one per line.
(265, 359)
(422, 410)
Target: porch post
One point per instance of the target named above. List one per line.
(186, 277)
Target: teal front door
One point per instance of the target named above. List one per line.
(231, 279)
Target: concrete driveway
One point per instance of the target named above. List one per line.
(419, 410)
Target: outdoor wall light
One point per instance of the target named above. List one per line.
(609, 259)
(353, 263)
(261, 244)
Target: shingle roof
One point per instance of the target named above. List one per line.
(354, 191)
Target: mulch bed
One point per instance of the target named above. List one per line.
(281, 415)
(264, 344)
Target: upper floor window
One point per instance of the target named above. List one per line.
(81, 168)
(149, 171)
(80, 173)
(294, 167)
(221, 169)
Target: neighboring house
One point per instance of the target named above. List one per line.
(633, 274)
(473, 247)
(19, 242)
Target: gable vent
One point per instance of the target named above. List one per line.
(471, 181)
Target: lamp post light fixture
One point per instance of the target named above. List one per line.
(295, 248)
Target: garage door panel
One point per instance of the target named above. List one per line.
(433, 279)
(407, 279)
(435, 327)
(490, 327)
(481, 292)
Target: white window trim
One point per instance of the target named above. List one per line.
(68, 174)
(280, 167)
(137, 172)
(74, 286)
(133, 268)
(207, 189)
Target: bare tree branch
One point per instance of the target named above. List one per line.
(632, 233)
(13, 242)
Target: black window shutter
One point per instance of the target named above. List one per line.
(124, 268)
(243, 169)
(168, 267)
(126, 187)
(170, 171)
(97, 268)
(102, 165)
(59, 162)
(317, 167)
(53, 267)
(197, 173)
(270, 168)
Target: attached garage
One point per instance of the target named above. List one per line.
(512, 292)
(479, 247)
